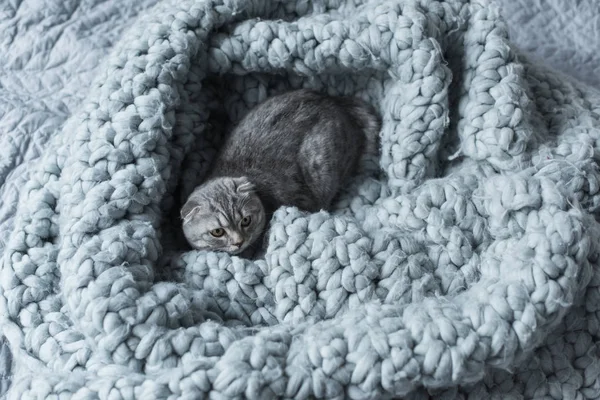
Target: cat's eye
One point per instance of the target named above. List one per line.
(246, 221)
(217, 232)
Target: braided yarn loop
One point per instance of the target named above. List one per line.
(458, 263)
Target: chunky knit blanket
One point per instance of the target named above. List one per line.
(460, 263)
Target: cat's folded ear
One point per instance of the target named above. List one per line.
(243, 185)
(189, 209)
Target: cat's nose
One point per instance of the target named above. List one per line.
(239, 244)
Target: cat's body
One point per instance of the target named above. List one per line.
(295, 149)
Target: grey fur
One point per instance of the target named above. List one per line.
(295, 149)
(223, 204)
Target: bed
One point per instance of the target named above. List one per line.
(56, 59)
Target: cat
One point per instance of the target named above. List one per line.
(295, 149)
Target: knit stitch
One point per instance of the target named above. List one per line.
(437, 272)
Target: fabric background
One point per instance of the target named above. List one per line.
(54, 49)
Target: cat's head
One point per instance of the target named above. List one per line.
(223, 214)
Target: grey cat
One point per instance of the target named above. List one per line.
(295, 149)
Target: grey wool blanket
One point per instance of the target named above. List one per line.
(461, 263)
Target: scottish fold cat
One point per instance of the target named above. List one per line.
(295, 149)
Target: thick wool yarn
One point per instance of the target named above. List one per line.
(469, 255)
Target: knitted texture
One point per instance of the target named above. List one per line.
(467, 253)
